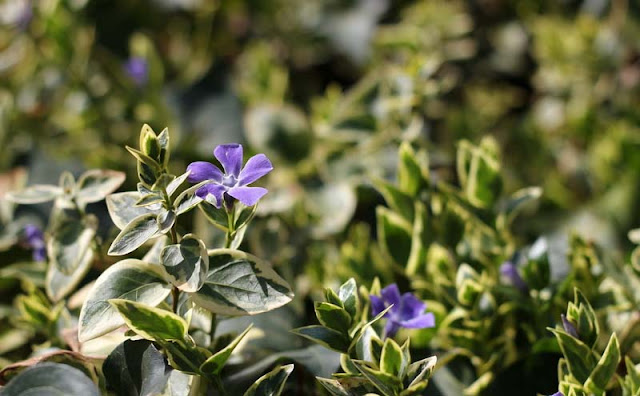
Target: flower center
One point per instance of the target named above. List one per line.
(229, 180)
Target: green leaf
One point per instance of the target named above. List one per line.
(187, 263)
(163, 141)
(136, 368)
(479, 172)
(94, 185)
(143, 158)
(134, 235)
(46, 379)
(244, 216)
(518, 201)
(129, 279)
(177, 182)
(606, 367)
(217, 217)
(153, 254)
(412, 176)
(187, 199)
(37, 193)
(151, 323)
(421, 370)
(69, 242)
(348, 294)
(215, 364)
(324, 336)
(241, 284)
(59, 285)
(399, 201)
(165, 220)
(577, 354)
(123, 210)
(387, 384)
(391, 361)
(394, 235)
(150, 199)
(333, 317)
(149, 142)
(271, 384)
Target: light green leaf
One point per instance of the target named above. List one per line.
(391, 361)
(163, 141)
(165, 220)
(130, 279)
(48, 379)
(187, 263)
(606, 367)
(421, 370)
(412, 175)
(387, 384)
(150, 199)
(271, 384)
(577, 354)
(59, 285)
(136, 233)
(241, 284)
(94, 185)
(348, 294)
(69, 241)
(187, 199)
(177, 182)
(123, 210)
(37, 193)
(151, 323)
(215, 364)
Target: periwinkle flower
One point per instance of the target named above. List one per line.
(557, 394)
(137, 69)
(510, 272)
(407, 310)
(234, 181)
(35, 240)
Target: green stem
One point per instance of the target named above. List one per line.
(212, 331)
(217, 382)
(230, 226)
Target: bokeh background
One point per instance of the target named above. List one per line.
(328, 89)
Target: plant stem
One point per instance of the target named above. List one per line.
(175, 293)
(217, 382)
(212, 330)
(230, 226)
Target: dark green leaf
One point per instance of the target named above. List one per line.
(271, 384)
(348, 294)
(577, 354)
(394, 235)
(606, 367)
(241, 284)
(333, 317)
(324, 336)
(391, 360)
(187, 263)
(51, 379)
(136, 368)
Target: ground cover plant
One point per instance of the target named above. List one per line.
(319, 197)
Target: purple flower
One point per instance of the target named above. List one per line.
(557, 394)
(510, 272)
(137, 69)
(233, 182)
(569, 327)
(35, 240)
(407, 310)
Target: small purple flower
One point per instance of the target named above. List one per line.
(569, 327)
(35, 240)
(235, 179)
(407, 310)
(510, 272)
(557, 394)
(137, 69)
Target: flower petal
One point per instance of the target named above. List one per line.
(377, 305)
(420, 322)
(215, 190)
(257, 166)
(391, 328)
(247, 195)
(391, 295)
(200, 171)
(230, 156)
(411, 306)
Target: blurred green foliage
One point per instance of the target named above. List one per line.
(418, 142)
